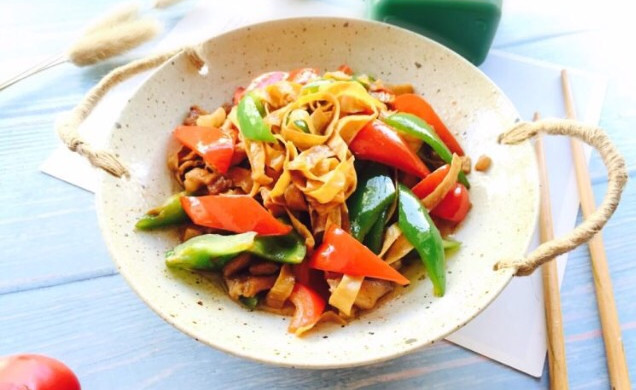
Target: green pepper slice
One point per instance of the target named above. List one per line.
(416, 127)
(168, 214)
(249, 302)
(289, 248)
(374, 193)
(450, 244)
(364, 79)
(421, 232)
(302, 125)
(212, 251)
(375, 236)
(315, 85)
(209, 252)
(250, 117)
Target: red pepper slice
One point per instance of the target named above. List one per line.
(416, 105)
(214, 145)
(344, 68)
(234, 213)
(303, 75)
(238, 95)
(376, 141)
(455, 204)
(312, 278)
(342, 253)
(309, 308)
(430, 182)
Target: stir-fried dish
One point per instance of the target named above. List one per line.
(311, 193)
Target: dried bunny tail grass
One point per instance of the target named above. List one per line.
(110, 42)
(122, 13)
(166, 3)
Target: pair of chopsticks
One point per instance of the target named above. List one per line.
(615, 354)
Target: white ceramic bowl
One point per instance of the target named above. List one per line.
(500, 224)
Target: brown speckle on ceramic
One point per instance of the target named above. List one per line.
(500, 224)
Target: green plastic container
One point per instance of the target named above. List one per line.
(466, 26)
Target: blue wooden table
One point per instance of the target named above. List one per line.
(60, 294)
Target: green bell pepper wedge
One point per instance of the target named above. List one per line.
(375, 236)
(416, 127)
(315, 85)
(421, 232)
(250, 117)
(249, 302)
(364, 79)
(302, 125)
(450, 245)
(374, 193)
(289, 248)
(209, 252)
(168, 214)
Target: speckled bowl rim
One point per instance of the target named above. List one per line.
(505, 276)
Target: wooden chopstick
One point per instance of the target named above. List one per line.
(553, 318)
(615, 353)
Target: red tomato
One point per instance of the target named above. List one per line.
(36, 372)
(455, 204)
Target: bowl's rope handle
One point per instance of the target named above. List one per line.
(617, 178)
(67, 125)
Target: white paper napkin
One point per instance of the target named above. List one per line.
(512, 329)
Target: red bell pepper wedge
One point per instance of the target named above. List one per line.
(214, 145)
(344, 68)
(455, 204)
(238, 95)
(303, 75)
(342, 253)
(309, 308)
(416, 105)
(430, 182)
(312, 278)
(234, 213)
(376, 141)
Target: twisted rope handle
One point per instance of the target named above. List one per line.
(67, 125)
(617, 178)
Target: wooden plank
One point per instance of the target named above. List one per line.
(97, 325)
(113, 341)
(50, 227)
